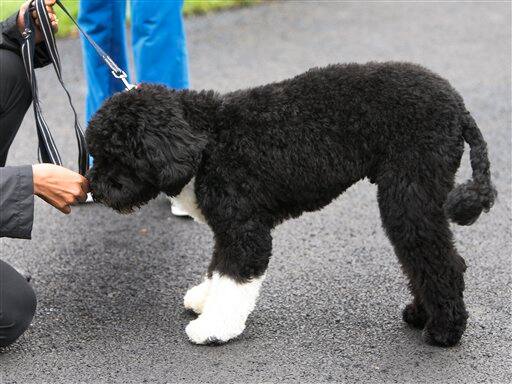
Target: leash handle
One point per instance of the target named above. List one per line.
(48, 151)
(117, 72)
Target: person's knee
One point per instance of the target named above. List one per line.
(16, 314)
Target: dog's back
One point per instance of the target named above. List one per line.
(301, 142)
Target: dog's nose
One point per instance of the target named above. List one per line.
(96, 195)
(94, 191)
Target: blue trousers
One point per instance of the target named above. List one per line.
(158, 44)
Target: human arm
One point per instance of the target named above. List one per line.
(56, 185)
(59, 186)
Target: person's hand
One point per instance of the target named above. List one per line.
(59, 186)
(51, 14)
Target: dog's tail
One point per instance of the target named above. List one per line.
(466, 202)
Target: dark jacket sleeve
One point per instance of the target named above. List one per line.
(11, 39)
(16, 202)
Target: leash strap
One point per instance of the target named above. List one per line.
(48, 152)
(117, 72)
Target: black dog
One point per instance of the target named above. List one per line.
(245, 161)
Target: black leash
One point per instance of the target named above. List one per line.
(48, 152)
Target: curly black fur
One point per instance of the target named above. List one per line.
(262, 155)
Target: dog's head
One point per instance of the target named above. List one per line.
(141, 145)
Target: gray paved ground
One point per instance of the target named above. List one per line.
(110, 286)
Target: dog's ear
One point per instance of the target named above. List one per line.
(174, 154)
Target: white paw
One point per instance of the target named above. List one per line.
(196, 296)
(205, 330)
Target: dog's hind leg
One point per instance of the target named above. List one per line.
(240, 259)
(412, 213)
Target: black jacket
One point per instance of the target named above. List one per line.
(16, 202)
(16, 183)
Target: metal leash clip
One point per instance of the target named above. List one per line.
(26, 33)
(123, 77)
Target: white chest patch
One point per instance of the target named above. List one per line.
(186, 201)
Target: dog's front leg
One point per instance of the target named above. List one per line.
(227, 297)
(195, 298)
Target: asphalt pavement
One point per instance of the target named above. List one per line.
(110, 287)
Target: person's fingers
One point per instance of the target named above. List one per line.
(50, 2)
(82, 196)
(72, 198)
(51, 13)
(84, 188)
(54, 22)
(62, 205)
